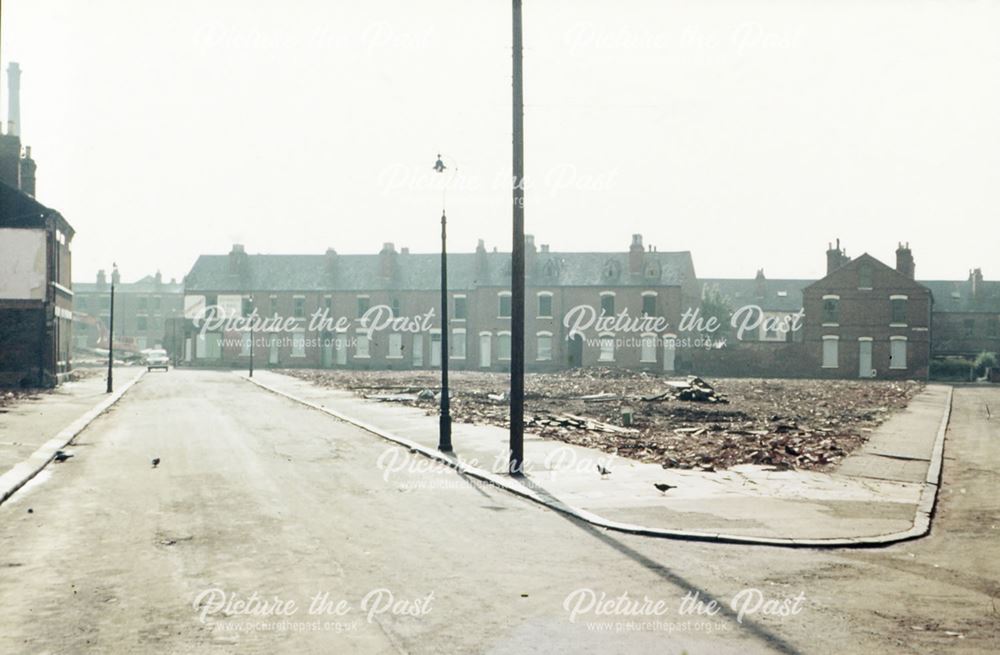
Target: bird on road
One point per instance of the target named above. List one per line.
(663, 487)
(156, 462)
(603, 471)
(62, 456)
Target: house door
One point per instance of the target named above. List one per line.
(435, 350)
(272, 351)
(669, 352)
(418, 350)
(328, 345)
(340, 346)
(575, 351)
(865, 359)
(485, 343)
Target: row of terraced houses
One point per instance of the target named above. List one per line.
(863, 319)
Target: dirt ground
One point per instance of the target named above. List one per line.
(802, 424)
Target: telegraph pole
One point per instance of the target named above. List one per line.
(111, 331)
(517, 260)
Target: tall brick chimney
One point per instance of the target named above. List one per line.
(13, 99)
(102, 278)
(760, 284)
(635, 255)
(835, 257)
(904, 260)
(10, 143)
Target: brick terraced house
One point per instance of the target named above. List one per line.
(636, 283)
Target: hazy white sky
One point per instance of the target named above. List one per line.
(751, 133)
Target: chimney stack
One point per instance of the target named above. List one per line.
(238, 259)
(904, 260)
(102, 278)
(635, 253)
(387, 261)
(28, 167)
(13, 99)
(116, 277)
(835, 257)
(976, 278)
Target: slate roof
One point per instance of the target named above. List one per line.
(770, 295)
(957, 296)
(18, 209)
(417, 272)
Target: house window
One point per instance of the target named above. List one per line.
(458, 344)
(830, 348)
(298, 344)
(969, 325)
(247, 307)
(299, 306)
(649, 304)
(545, 305)
(607, 348)
(897, 352)
(142, 302)
(395, 307)
(274, 304)
(364, 302)
(503, 345)
(608, 304)
(831, 309)
(864, 276)
(993, 327)
(898, 309)
(503, 311)
(395, 346)
(328, 303)
(647, 354)
(461, 308)
(544, 347)
(156, 303)
(140, 323)
(362, 346)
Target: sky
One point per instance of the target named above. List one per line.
(750, 133)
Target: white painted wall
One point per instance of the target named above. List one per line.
(22, 264)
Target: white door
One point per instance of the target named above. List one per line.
(485, 342)
(418, 350)
(669, 352)
(435, 350)
(865, 359)
(340, 344)
(272, 354)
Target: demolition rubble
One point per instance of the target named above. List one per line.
(686, 423)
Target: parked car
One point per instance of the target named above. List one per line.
(157, 359)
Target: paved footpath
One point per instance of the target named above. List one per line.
(879, 494)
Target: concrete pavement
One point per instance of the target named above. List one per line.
(883, 494)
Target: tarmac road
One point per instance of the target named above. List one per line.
(259, 495)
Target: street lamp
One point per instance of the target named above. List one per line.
(111, 329)
(250, 305)
(517, 258)
(444, 433)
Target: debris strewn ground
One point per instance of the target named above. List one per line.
(677, 422)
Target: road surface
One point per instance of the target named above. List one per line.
(272, 528)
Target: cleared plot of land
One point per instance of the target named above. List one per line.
(805, 424)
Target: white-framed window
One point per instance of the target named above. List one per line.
(543, 346)
(607, 341)
(831, 310)
(647, 351)
(831, 346)
(544, 304)
(362, 345)
(458, 343)
(503, 345)
(608, 303)
(298, 344)
(897, 352)
(898, 309)
(503, 304)
(461, 307)
(395, 346)
(649, 303)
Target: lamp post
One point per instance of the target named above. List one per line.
(111, 329)
(517, 259)
(444, 432)
(252, 310)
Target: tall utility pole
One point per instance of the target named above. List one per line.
(517, 263)
(444, 436)
(111, 330)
